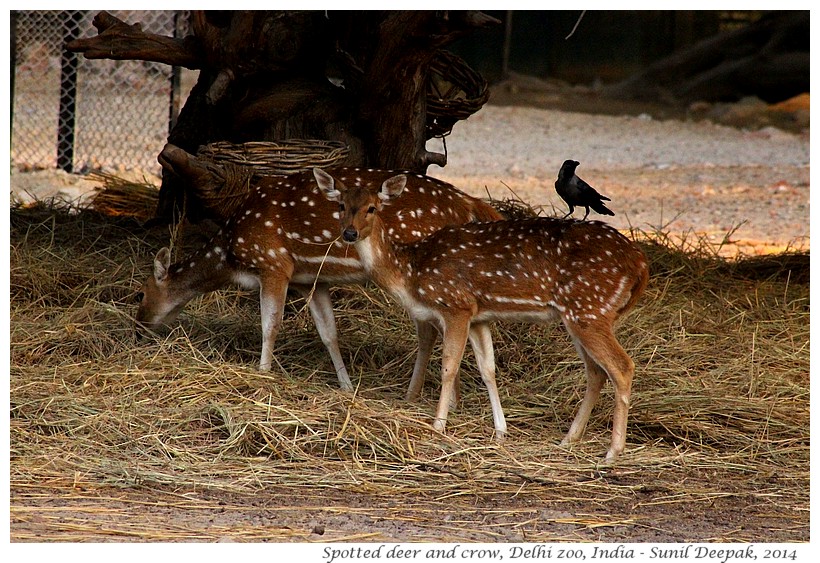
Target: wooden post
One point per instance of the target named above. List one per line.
(174, 102)
(505, 57)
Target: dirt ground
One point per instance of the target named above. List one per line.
(65, 511)
(745, 192)
(317, 515)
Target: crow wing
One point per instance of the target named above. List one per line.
(589, 192)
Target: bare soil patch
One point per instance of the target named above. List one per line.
(736, 174)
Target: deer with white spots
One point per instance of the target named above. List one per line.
(534, 270)
(286, 233)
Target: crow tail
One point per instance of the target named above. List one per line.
(600, 208)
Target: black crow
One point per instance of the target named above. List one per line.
(575, 191)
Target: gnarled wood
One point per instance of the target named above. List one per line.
(120, 41)
(356, 77)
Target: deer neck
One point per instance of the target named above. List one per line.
(386, 262)
(208, 269)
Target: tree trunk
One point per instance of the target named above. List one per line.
(357, 77)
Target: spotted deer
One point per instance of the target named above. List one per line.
(533, 270)
(285, 234)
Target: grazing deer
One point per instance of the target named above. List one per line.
(528, 270)
(283, 234)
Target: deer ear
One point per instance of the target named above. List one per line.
(162, 261)
(392, 188)
(327, 184)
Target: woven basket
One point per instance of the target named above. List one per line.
(455, 92)
(266, 158)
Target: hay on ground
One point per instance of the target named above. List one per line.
(720, 402)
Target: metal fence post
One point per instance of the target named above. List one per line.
(13, 69)
(69, 63)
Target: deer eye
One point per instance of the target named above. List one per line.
(140, 297)
(372, 209)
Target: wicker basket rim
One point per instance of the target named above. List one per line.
(277, 157)
(265, 146)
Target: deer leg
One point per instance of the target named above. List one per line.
(321, 309)
(272, 293)
(455, 340)
(596, 377)
(427, 334)
(482, 342)
(603, 349)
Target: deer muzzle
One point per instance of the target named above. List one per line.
(350, 235)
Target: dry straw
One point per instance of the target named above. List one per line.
(117, 196)
(720, 406)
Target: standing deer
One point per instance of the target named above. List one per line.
(529, 270)
(283, 234)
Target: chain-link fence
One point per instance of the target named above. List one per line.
(78, 114)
